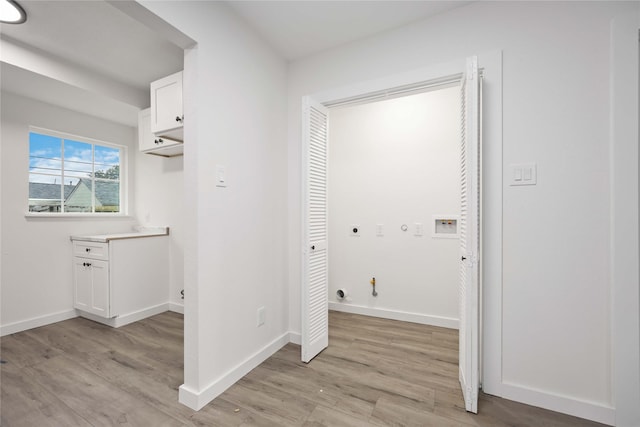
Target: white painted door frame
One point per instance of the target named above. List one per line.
(491, 204)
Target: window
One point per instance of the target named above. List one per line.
(69, 174)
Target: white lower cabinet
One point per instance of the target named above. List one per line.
(91, 279)
(122, 280)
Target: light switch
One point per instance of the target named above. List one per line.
(523, 174)
(379, 230)
(221, 178)
(517, 174)
(419, 230)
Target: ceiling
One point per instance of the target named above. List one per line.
(98, 37)
(101, 40)
(301, 28)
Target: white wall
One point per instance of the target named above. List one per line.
(395, 162)
(235, 116)
(33, 296)
(556, 319)
(37, 281)
(159, 201)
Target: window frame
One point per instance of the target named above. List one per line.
(122, 181)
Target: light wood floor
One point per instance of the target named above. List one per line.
(375, 373)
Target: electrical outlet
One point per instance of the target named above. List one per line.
(261, 316)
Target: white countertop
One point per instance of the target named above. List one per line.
(136, 234)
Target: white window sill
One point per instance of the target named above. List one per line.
(81, 216)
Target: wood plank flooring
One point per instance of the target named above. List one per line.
(376, 372)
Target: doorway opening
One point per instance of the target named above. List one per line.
(315, 220)
(394, 176)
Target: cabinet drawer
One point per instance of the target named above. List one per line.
(93, 250)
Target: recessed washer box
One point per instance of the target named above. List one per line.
(445, 226)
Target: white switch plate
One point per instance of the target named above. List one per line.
(221, 176)
(379, 230)
(418, 229)
(523, 174)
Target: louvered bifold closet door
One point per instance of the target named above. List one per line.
(315, 322)
(469, 235)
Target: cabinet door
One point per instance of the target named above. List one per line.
(82, 283)
(145, 137)
(166, 104)
(91, 282)
(152, 144)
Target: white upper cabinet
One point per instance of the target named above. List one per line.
(153, 144)
(166, 107)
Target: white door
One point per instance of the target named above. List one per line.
(91, 281)
(469, 236)
(315, 320)
(166, 103)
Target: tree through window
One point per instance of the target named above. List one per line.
(73, 175)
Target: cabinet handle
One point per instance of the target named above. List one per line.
(88, 250)
(86, 264)
(179, 119)
(158, 141)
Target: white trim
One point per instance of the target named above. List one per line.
(176, 308)
(83, 216)
(196, 400)
(295, 338)
(116, 322)
(564, 404)
(624, 249)
(36, 322)
(424, 319)
(491, 232)
(190, 398)
(434, 72)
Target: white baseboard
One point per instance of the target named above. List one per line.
(295, 338)
(566, 405)
(178, 308)
(196, 400)
(125, 319)
(425, 319)
(36, 322)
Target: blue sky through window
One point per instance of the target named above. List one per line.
(54, 161)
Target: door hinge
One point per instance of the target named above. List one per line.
(470, 259)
